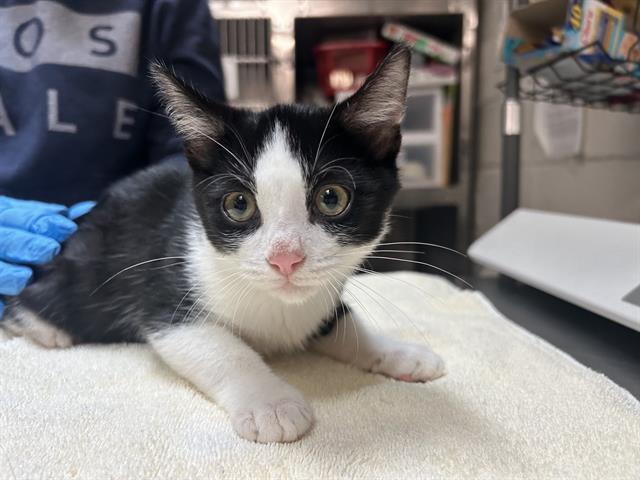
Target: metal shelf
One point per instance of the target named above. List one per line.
(588, 77)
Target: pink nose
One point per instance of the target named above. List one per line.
(286, 262)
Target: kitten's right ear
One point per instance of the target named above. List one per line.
(197, 119)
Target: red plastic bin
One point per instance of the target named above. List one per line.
(343, 66)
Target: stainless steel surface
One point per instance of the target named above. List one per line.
(244, 42)
(282, 15)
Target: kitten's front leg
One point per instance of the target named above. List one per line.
(262, 407)
(351, 342)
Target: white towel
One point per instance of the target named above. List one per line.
(511, 406)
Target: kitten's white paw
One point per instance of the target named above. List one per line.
(53, 339)
(25, 323)
(274, 418)
(408, 362)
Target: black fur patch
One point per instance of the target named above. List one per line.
(330, 324)
(141, 218)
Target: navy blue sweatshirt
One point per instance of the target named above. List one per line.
(74, 83)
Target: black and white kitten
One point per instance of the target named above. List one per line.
(246, 253)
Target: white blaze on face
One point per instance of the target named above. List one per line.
(281, 196)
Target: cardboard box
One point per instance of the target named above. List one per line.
(628, 7)
(421, 42)
(530, 29)
(591, 21)
(629, 48)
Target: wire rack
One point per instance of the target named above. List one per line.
(588, 77)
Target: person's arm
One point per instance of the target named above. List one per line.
(185, 37)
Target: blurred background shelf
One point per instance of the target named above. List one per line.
(264, 40)
(409, 198)
(575, 78)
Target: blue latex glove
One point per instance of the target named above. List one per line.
(80, 209)
(30, 234)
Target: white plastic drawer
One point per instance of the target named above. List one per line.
(421, 112)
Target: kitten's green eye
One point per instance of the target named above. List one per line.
(239, 206)
(332, 200)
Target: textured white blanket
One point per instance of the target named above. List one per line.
(511, 406)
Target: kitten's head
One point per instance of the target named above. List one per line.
(294, 196)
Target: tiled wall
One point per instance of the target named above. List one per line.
(604, 181)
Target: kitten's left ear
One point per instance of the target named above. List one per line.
(375, 111)
(197, 119)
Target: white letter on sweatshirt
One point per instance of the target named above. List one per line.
(5, 122)
(55, 125)
(122, 108)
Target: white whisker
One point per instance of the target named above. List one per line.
(428, 294)
(131, 267)
(416, 262)
(338, 298)
(238, 300)
(167, 266)
(180, 304)
(334, 161)
(214, 302)
(326, 125)
(240, 163)
(402, 312)
(417, 252)
(199, 132)
(341, 168)
(435, 245)
(242, 144)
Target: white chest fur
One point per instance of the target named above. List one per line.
(229, 298)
